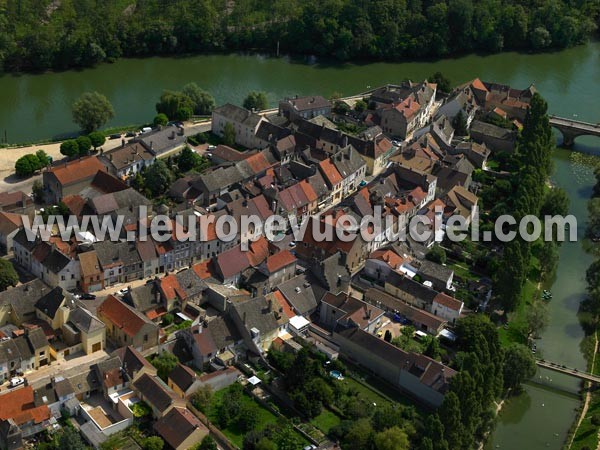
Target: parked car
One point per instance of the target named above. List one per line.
(123, 291)
(115, 136)
(88, 297)
(16, 381)
(130, 134)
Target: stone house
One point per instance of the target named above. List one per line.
(245, 124)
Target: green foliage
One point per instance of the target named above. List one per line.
(256, 101)
(360, 106)
(229, 134)
(160, 119)
(32, 38)
(536, 318)
(341, 108)
(202, 102)
(27, 165)
(208, 443)
(394, 438)
(97, 139)
(443, 84)
(43, 158)
(172, 103)
(71, 440)
(437, 254)
(153, 443)
(459, 123)
(158, 178)
(91, 111)
(190, 160)
(8, 275)
(164, 363)
(519, 365)
(84, 144)
(38, 191)
(202, 397)
(141, 409)
(69, 148)
(265, 444)
(167, 319)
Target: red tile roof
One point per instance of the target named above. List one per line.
(330, 173)
(121, 315)
(280, 260)
(448, 302)
(80, 169)
(171, 288)
(258, 163)
(285, 305)
(75, 203)
(232, 262)
(204, 269)
(258, 251)
(19, 405)
(178, 425)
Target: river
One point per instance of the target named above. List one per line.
(37, 106)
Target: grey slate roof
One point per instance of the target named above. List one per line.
(238, 114)
(113, 252)
(190, 282)
(85, 321)
(160, 141)
(299, 293)
(154, 391)
(411, 287)
(24, 297)
(50, 302)
(143, 297)
(223, 332)
(37, 338)
(255, 313)
(347, 161)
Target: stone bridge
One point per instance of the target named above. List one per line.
(571, 129)
(568, 371)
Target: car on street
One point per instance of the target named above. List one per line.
(115, 136)
(88, 297)
(16, 381)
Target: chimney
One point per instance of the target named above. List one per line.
(245, 318)
(122, 142)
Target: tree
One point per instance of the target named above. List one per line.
(160, 120)
(536, 318)
(387, 337)
(341, 108)
(71, 440)
(189, 159)
(158, 178)
(202, 102)
(248, 417)
(359, 437)
(173, 104)
(43, 158)
(91, 111)
(519, 365)
(229, 134)
(265, 444)
(202, 397)
(256, 101)
(443, 84)
(38, 191)
(208, 443)
(392, 439)
(459, 123)
(167, 319)
(450, 416)
(27, 165)
(97, 139)
(8, 275)
(69, 148)
(164, 363)
(437, 254)
(556, 202)
(360, 106)
(432, 348)
(153, 443)
(84, 144)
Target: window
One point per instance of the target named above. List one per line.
(145, 338)
(62, 278)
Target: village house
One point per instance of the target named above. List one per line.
(92, 275)
(421, 377)
(153, 391)
(70, 178)
(162, 140)
(343, 311)
(125, 326)
(10, 224)
(127, 160)
(304, 107)
(17, 202)
(181, 429)
(245, 123)
(183, 381)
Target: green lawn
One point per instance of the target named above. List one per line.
(232, 432)
(326, 421)
(517, 319)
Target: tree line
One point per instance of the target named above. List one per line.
(41, 34)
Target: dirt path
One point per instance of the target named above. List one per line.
(588, 396)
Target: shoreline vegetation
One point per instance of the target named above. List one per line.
(585, 434)
(41, 35)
